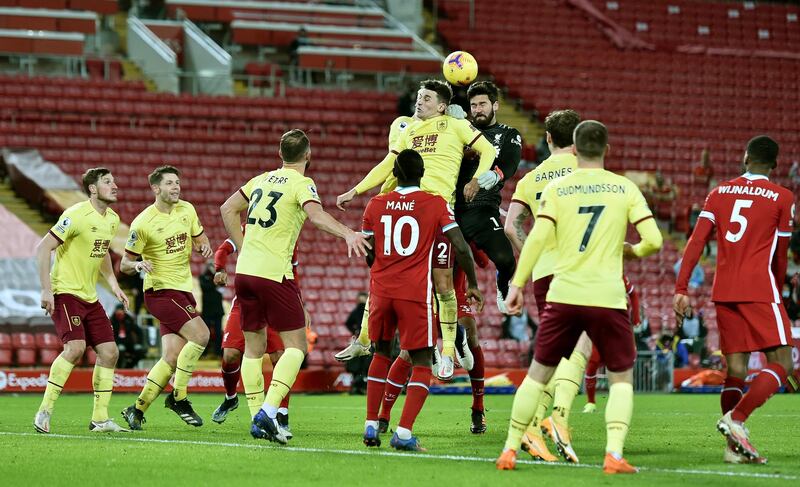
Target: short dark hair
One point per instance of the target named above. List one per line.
(91, 176)
(561, 126)
(591, 138)
(483, 88)
(157, 175)
(408, 166)
(294, 145)
(442, 89)
(762, 149)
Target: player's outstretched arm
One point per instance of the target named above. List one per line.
(467, 263)
(230, 210)
(356, 241)
(374, 178)
(44, 249)
(517, 215)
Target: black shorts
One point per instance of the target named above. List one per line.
(481, 225)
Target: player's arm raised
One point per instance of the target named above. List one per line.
(518, 214)
(230, 211)
(44, 249)
(467, 263)
(374, 178)
(107, 270)
(356, 241)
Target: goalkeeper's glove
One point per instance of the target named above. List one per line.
(489, 179)
(455, 111)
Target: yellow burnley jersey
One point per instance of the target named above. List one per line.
(85, 235)
(440, 141)
(397, 129)
(591, 209)
(529, 192)
(166, 241)
(275, 216)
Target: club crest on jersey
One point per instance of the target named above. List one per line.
(75, 320)
(441, 125)
(185, 220)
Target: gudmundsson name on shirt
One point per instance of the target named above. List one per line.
(590, 189)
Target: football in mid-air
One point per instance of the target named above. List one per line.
(460, 68)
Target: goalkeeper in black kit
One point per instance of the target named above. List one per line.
(479, 219)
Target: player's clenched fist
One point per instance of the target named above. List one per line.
(515, 300)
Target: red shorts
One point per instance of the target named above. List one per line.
(609, 329)
(234, 337)
(172, 308)
(750, 327)
(265, 303)
(442, 252)
(414, 321)
(75, 319)
(540, 288)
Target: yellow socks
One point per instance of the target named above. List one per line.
(567, 380)
(59, 373)
(545, 400)
(363, 335)
(102, 383)
(187, 360)
(619, 410)
(157, 380)
(283, 376)
(253, 382)
(448, 318)
(525, 401)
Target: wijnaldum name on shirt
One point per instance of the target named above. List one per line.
(749, 190)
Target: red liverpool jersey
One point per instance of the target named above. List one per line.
(750, 214)
(405, 223)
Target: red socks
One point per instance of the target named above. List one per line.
(376, 381)
(590, 378)
(416, 393)
(398, 375)
(732, 391)
(766, 383)
(230, 376)
(476, 378)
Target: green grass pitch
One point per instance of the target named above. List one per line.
(673, 440)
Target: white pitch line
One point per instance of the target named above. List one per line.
(460, 458)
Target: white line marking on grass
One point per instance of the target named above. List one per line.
(126, 437)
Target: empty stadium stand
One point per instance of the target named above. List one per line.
(219, 142)
(692, 75)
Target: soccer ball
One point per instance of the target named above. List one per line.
(460, 68)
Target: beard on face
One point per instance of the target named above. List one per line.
(483, 120)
